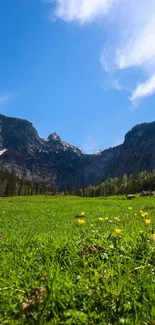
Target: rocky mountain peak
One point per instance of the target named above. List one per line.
(18, 134)
(54, 161)
(140, 133)
(54, 136)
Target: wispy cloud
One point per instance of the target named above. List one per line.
(138, 48)
(135, 46)
(130, 31)
(112, 83)
(143, 90)
(7, 97)
(82, 10)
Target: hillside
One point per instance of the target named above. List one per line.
(53, 161)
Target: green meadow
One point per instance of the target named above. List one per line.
(56, 268)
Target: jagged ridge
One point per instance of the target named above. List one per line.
(54, 161)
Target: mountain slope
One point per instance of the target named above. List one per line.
(54, 161)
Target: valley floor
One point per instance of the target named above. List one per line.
(60, 267)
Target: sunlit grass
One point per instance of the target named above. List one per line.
(98, 268)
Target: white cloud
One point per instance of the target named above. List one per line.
(135, 46)
(82, 10)
(130, 33)
(143, 90)
(139, 47)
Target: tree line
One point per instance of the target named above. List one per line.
(12, 185)
(144, 181)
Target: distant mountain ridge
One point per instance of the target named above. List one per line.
(54, 161)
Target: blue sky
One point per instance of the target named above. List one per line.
(82, 68)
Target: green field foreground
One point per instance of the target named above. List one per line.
(56, 269)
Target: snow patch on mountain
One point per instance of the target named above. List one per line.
(2, 151)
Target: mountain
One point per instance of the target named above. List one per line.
(54, 161)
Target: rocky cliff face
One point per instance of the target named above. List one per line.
(54, 161)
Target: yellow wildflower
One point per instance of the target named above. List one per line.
(129, 208)
(106, 218)
(110, 221)
(83, 214)
(100, 219)
(141, 211)
(91, 225)
(141, 231)
(118, 231)
(147, 221)
(3, 212)
(117, 219)
(81, 222)
(135, 214)
(144, 214)
(153, 237)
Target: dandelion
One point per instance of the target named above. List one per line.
(153, 237)
(118, 231)
(106, 218)
(129, 208)
(82, 214)
(100, 219)
(135, 214)
(110, 221)
(117, 219)
(3, 212)
(141, 231)
(141, 211)
(147, 221)
(81, 222)
(91, 225)
(144, 214)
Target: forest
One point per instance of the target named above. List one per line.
(12, 185)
